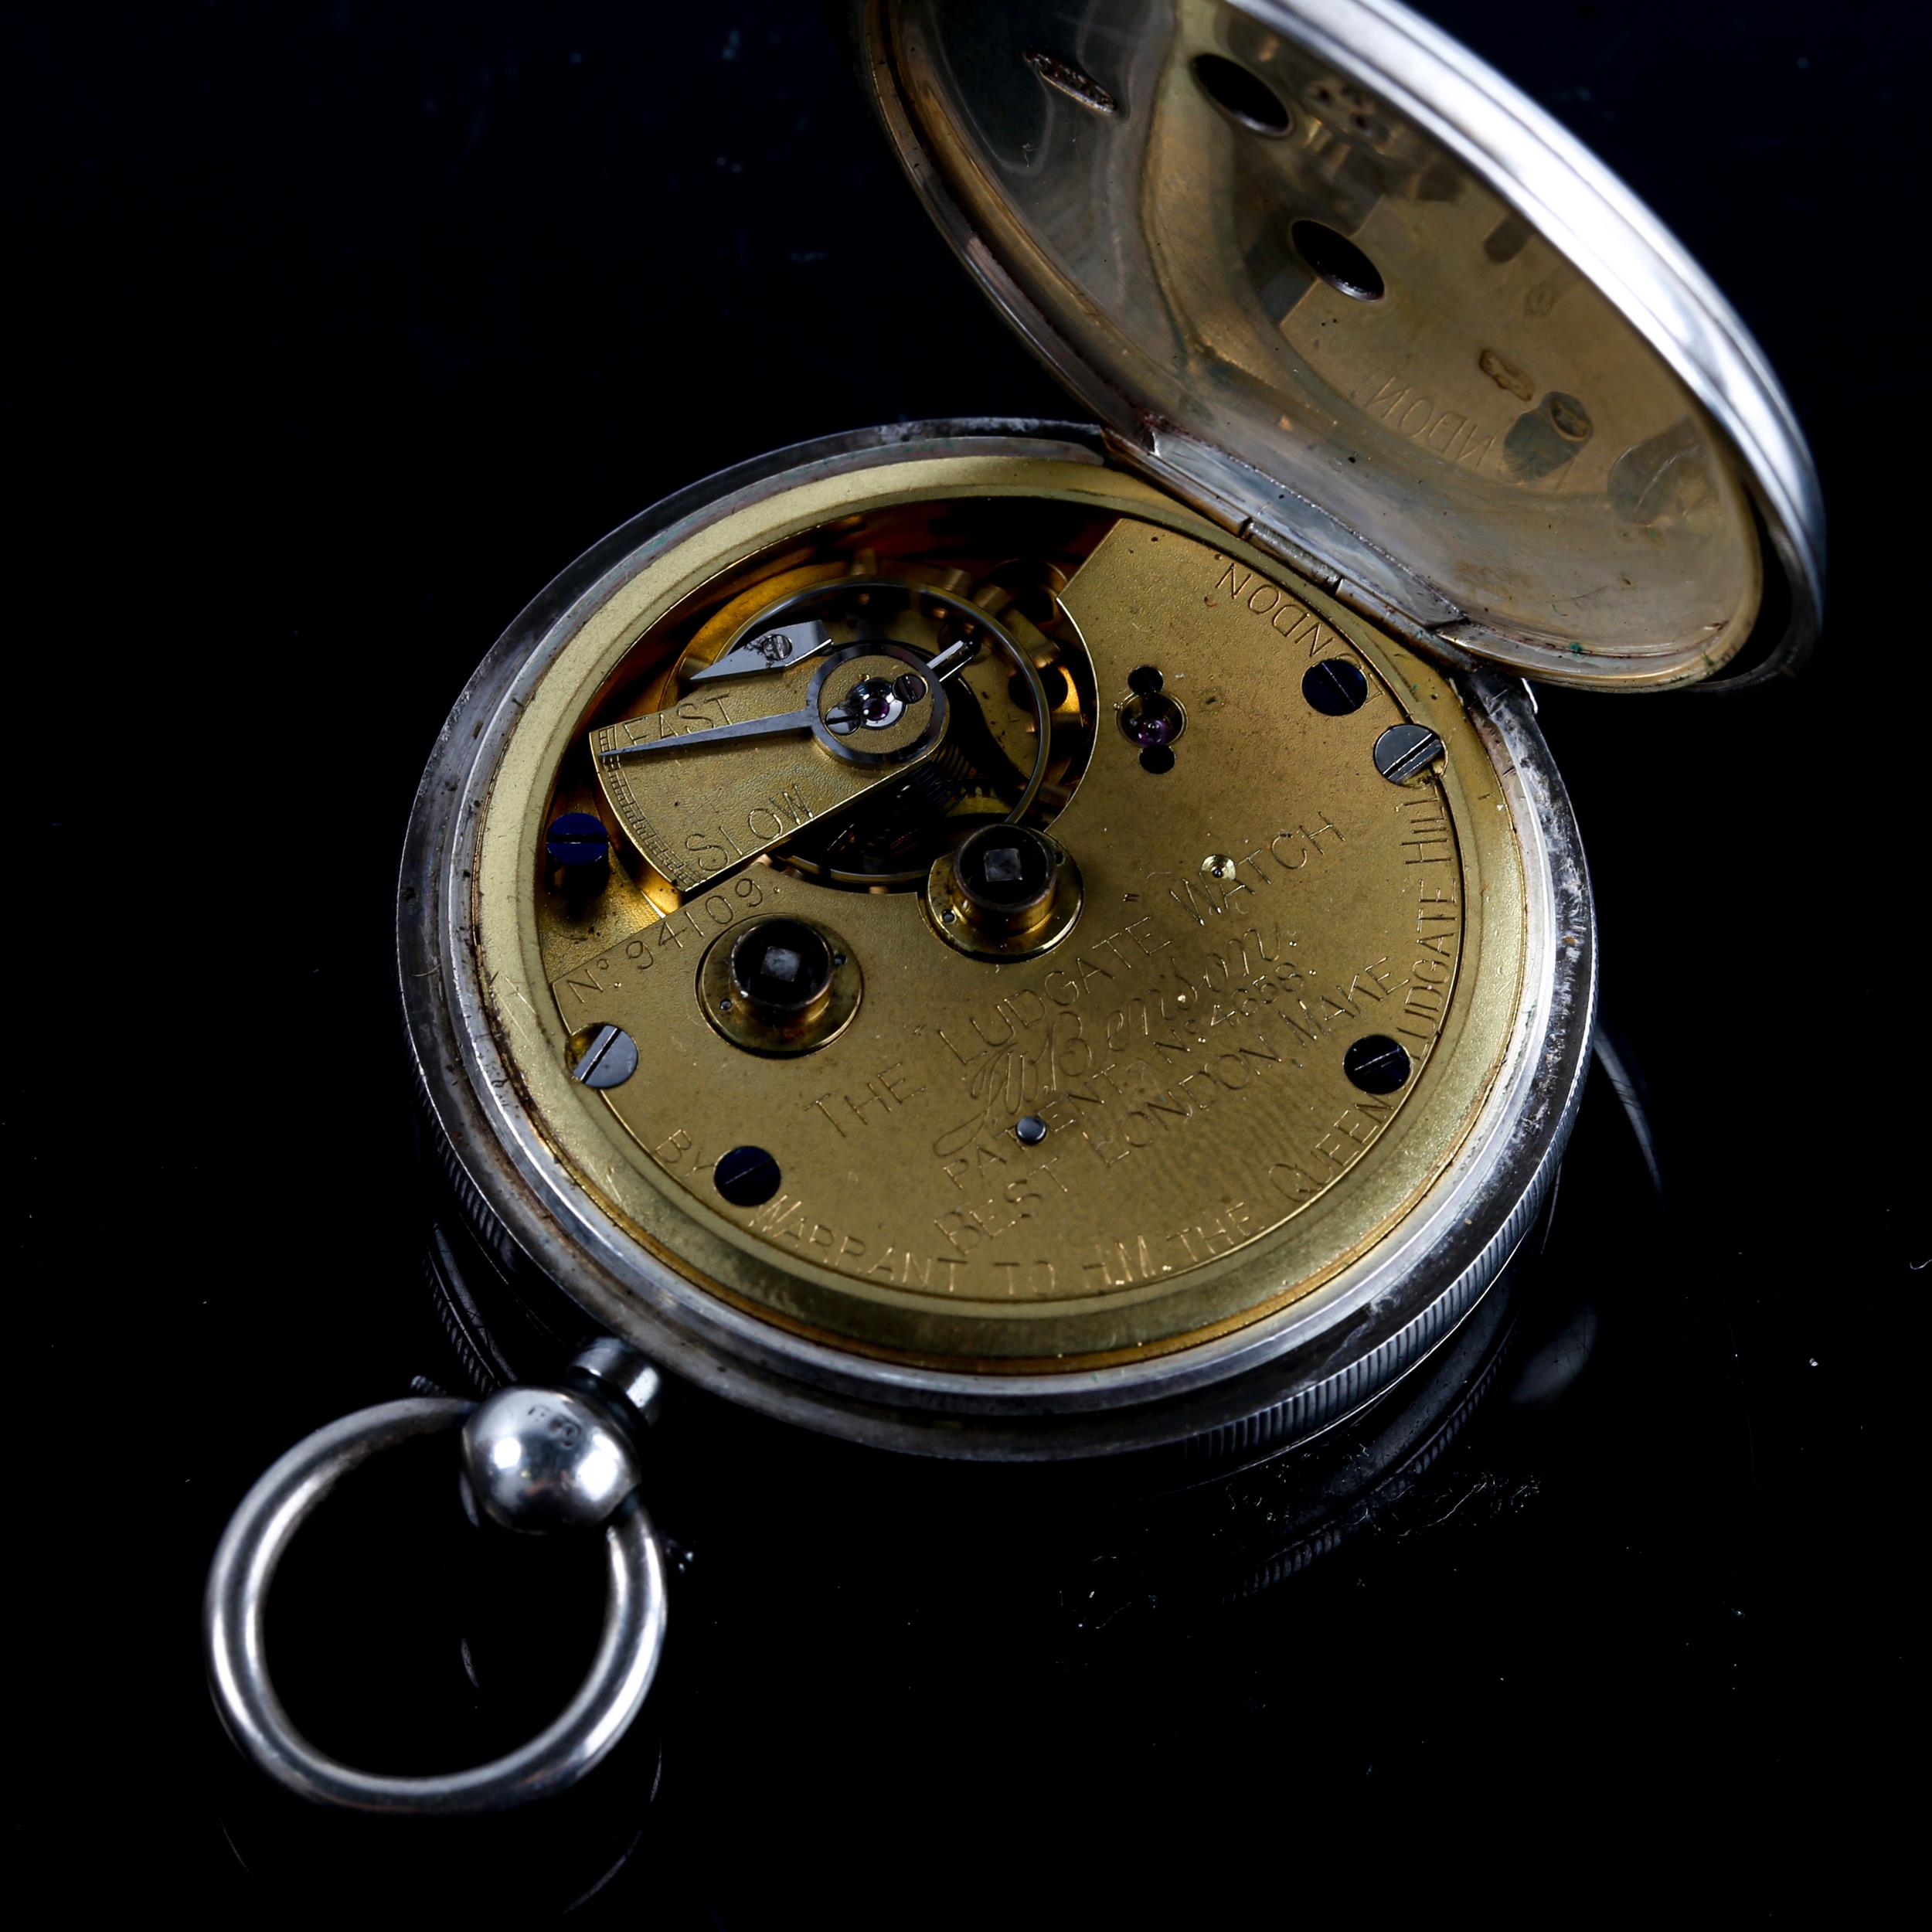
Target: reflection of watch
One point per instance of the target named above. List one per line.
(1063, 943)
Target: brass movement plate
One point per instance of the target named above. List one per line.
(1248, 915)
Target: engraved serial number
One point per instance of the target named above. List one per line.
(697, 922)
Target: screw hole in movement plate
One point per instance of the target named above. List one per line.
(1376, 1064)
(1337, 260)
(746, 1177)
(1334, 687)
(1240, 95)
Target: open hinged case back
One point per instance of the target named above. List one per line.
(1329, 277)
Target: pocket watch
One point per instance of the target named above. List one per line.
(1062, 944)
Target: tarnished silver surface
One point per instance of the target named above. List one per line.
(609, 1699)
(1286, 1375)
(544, 1459)
(1535, 435)
(623, 1375)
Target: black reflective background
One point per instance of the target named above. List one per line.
(333, 332)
